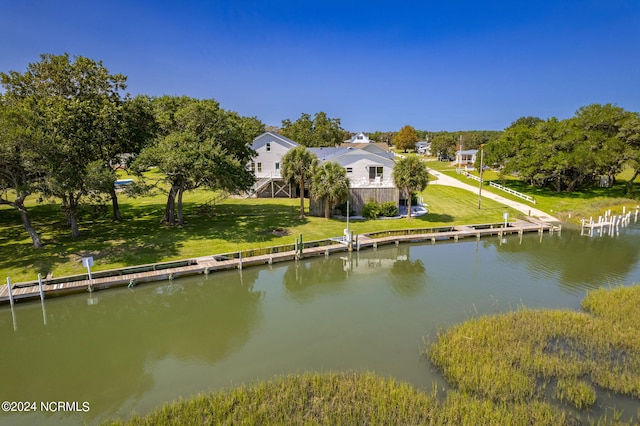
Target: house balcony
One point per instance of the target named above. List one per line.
(371, 183)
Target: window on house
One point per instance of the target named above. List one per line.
(259, 167)
(349, 169)
(277, 166)
(379, 171)
(268, 146)
(253, 166)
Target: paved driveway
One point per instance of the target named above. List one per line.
(443, 179)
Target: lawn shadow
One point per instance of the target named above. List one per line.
(434, 218)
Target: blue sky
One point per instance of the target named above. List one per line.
(376, 65)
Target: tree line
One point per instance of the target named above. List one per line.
(586, 150)
(66, 125)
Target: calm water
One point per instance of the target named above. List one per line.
(129, 350)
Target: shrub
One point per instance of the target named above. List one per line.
(388, 209)
(371, 210)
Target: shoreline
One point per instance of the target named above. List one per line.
(134, 275)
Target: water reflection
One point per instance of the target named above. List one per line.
(107, 350)
(309, 278)
(577, 262)
(126, 350)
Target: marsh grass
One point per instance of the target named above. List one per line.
(513, 357)
(343, 399)
(528, 367)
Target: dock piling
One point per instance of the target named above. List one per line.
(10, 292)
(40, 287)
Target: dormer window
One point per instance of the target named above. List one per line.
(268, 146)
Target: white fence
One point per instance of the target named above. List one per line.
(512, 192)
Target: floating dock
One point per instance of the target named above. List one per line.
(205, 265)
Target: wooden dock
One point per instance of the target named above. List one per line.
(609, 224)
(209, 264)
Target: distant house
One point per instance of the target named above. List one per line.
(359, 138)
(423, 147)
(466, 159)
(369, 167)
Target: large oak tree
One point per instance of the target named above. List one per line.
(199, 144)
(317, 132)
(76, 107)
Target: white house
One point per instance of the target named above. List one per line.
(466, 159)
(365, 168)
(369, 167)
(359, 138)
(267, 164)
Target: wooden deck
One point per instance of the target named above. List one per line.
(209, 264)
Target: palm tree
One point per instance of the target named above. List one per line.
(297, 167)
(330, 183)
(410, 174)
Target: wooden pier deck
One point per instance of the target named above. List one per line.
(209, 264)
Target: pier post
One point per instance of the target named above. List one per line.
(301, 247)
(375, 244)
(433, 240)
(40, 287)
(10, 291)
(240, 264)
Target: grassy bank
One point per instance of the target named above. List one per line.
(231, 225)
(542, 367)
(342, 399)
(573, 360)
(568, 207)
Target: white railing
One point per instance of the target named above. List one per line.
(371, 183)
(470, 176)
(512, 192)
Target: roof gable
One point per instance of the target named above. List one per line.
(266, 137)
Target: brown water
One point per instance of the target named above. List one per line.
(129, 350)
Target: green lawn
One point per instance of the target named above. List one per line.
(237, 224)
(232, 225)
(569, 207)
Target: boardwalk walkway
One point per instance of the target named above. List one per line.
(208, 264)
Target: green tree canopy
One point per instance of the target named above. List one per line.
(330, 183)
(76, 110)
(317, 132)
(567, 154)
(410, 175)
(199, 144)
(298, 166)
(19, 173)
